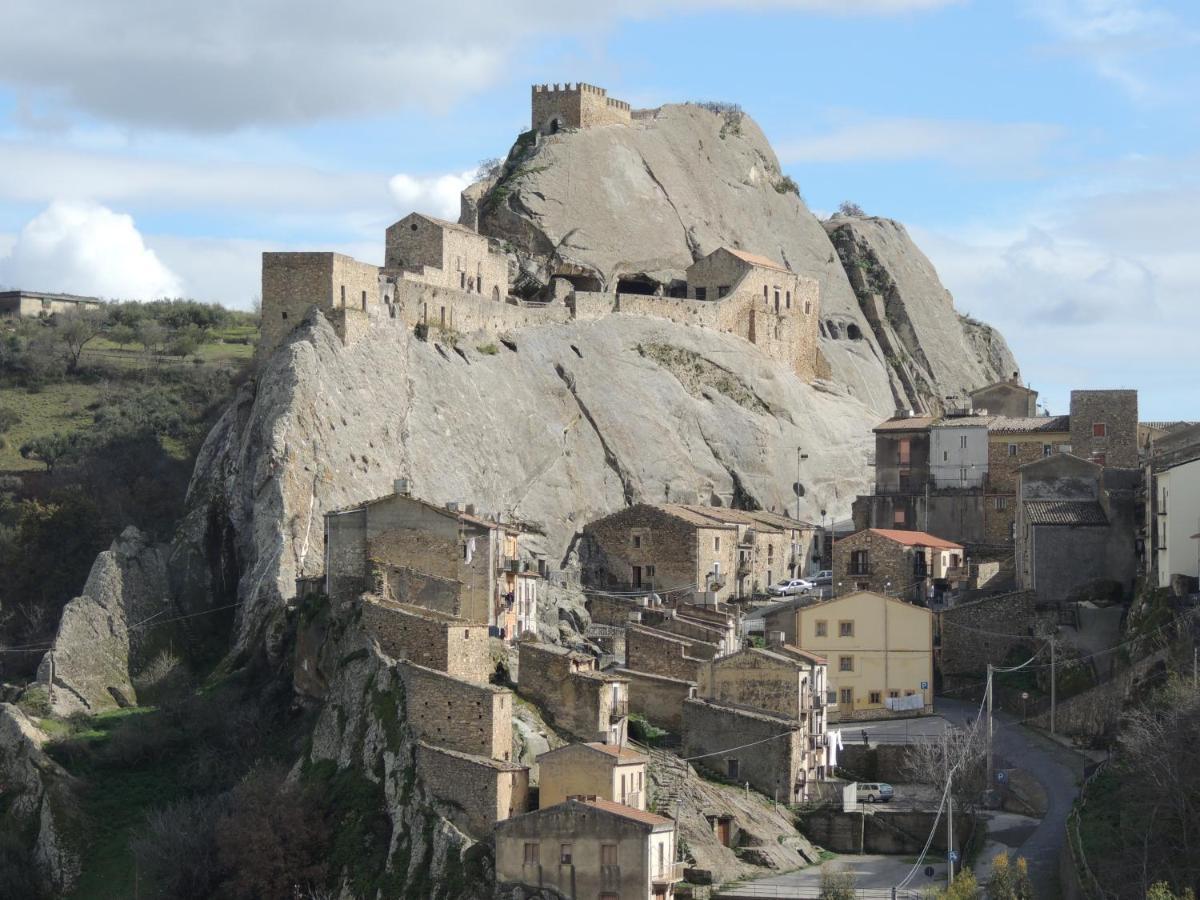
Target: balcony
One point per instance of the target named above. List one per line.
(818, 701)
(670, 874)
(954, 572)
(747, 538)
(859, 571)
(610, 878)
(743, 567)
(620, 709)
(816, 741)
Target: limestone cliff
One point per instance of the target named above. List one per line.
(636, 204)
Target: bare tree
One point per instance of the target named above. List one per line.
(930, 761)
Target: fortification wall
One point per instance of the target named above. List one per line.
(478, 792)
(452, 646)
(456, 714)
(575, 106)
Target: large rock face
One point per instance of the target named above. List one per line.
(647, 199)
(577, 421)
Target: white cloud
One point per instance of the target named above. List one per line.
(992, 146)
(86, 249)
(225, 64)
(437, 195)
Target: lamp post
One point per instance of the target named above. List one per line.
(799, 490)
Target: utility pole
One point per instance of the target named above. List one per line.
(50, 691)
(1053, 684)
(989, 726)
(949, 813)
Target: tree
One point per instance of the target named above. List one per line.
(52, 449)
(1009, 880)
(965, 887)
(9, 419)
(850, 208)
(1160, 890)
(927, 762)
(122, 335)
(74, 330)
(837, 883)
(151, 335)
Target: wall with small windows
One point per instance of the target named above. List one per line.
(457, 714)
(474, 792)
(429, 639)
(775, 766)
(1104, 427)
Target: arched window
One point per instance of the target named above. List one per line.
(496, 294)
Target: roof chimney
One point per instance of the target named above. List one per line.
(452, 506)
(400, 486)
(470, 509)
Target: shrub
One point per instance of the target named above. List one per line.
(837, 883)
(641, 730)
(164, 678)
(848, 208)
(9, 419)
(785, 184)
(488, 349)
(177, 847)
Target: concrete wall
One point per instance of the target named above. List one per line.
(952, 465)
(770, 767)
(658, 698)
(477, 792)
(1118, 411)
(435, 642)
(889, 465)
(458, 715)
(1178, 502)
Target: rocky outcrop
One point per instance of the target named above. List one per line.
(557, 426)
(639, 203)
(37, 799)
(103, 630)
(933, 350)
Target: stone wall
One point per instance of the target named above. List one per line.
(575, 106)
(406, 585)
(429, 639)
(458, 715)
(973, 634)
(658, 698)
(656, 653)
(883, 762)
(478, 792)
(575, 696)
(881, 831)
(887, 561)
(1097, 711)
(770, 767)
(756, 679)
(1118, 411)
(640, 536)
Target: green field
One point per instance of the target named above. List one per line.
(55, 407)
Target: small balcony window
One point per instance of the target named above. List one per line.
(532, 852)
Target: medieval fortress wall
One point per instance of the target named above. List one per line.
(445, 280)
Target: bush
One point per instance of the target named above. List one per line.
(785, 184)
(165, 678)
(641, 730)
(837, 883)
(177, 847)
(848, 208)
(488, 349)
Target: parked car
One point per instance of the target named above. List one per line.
(790, 587)
(825, 576)
(874, 792)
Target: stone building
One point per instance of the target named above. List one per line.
(910, 564)
(658, 698)
(427, 638)
(38, 304)
(1006, 398)
(473, 792)
(658, 652)
(554, 107)
(775, 764)
(342, 288)
(456, 714)
(880, 653)
(589, 848)
(442, 558)
(1075, 526)
(588, 703)
(1173, 506)
(682, 548)
(1013, 442)
(443, 254)
(1104, 427)
(607, 771)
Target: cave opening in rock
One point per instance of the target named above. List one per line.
(582, 282)
(637, 284)
(853, 332)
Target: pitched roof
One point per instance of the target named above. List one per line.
(1005, 383)
(916, 538)
(628, 812)
(687, 514)
(754, 259)
(446, 224)
(908, 423)
(610, 752)
(1064, 512)
(1030, 424)
(952, 421)
(449, 513)
(779, 520)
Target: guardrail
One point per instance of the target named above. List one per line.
(1088, 883)
(752, 891)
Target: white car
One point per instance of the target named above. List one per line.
(790, 587)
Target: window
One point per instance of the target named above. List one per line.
(1001, 503)
(649, 571)
(962, 442)
(905, 449)
(893, 694)
(765, 292)
(717, 543)
(898, 517)
(831, 696)
(1047, 449)
(1012, 449)
(531, 854)
(945, 456)
(701, 294)
(770, 553)
(564, 855)
(845, 663)
(731, 769)
(846, 628)
(608, 854)
(807, 307)
(285, 313)
(962, 476)
(822, 628)
(874, 697)
(846, 697)
(860, 563)
(364, 300)
(909, 693)
(1099, 429)
(637, 541)
(722, 290)
(776, 299)
(343, 295)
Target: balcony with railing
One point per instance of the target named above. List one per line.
(610, 877)
(669, 874)
(747, 539)
(620, 709)
(859, 569)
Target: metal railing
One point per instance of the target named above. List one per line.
(672, 873)
(620, 709)
(752, 891)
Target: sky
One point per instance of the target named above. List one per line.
(1043, 153)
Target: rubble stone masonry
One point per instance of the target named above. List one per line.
(456, 714)
(772, 767)
(429, 639)
(479, 792)
(1117, 413)
(657, 653)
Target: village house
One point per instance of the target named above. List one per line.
(958, 451)
(1006, 398)
(1173, 506)
(38, 304)
(1013, 442)
(910, 564)
(880, 653)
(1104, 427)
(577, 696)
(608, 771)
(586, 848)
(444, 254)
(442, 558)
(428, 638)
(673, 655)
(682, 548)
(1075, 526)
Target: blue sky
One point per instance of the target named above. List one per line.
(1044, 154)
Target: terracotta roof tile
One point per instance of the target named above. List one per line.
(1029, 424)
(1064, 512)
(618, 752)
(755, 259)
(909, 423)
(620, 809)
(916, 538)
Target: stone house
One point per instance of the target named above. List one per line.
(1104, 427)
(567, 685)
(473, 792)
(554, 107)
(1006, 398)
(517, 612)
(658, 698)
(1173, 506)
(444, 254)
(910, 564)
(1075, 525)
(442, 558)
(658, 652)
(1013, 442)
(428, 638)
(880, 652)
(901, 474)
(38, 304)
(782, 680)
(607, 771)
(589, 848)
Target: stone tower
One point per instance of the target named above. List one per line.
(581, 105)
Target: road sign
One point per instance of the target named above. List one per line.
(1002, 776)
(953, 856)
(924, 685)
(929, 870)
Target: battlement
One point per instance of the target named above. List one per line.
(578, 87)
(554, 107)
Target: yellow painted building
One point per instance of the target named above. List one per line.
(607, 771)
(879, 649)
